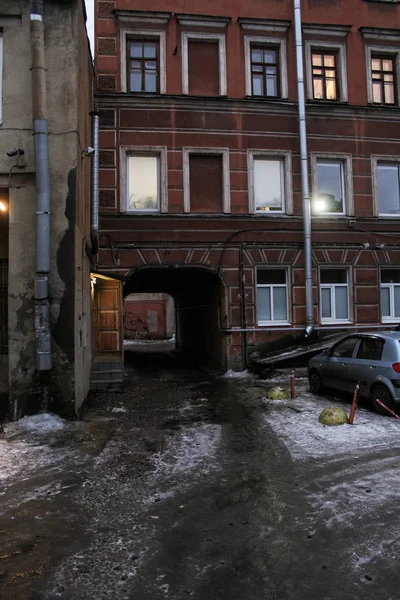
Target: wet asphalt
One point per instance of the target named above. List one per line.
(176, 487)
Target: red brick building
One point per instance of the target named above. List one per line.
(200, 179)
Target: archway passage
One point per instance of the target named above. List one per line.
(198, 295)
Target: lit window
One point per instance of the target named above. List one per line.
(324, 75)
(143, 181)
(383, 74)
(334, 295)
(388, 188)
(272, 296)
(390, 295)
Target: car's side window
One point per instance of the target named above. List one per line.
(370, 349)
(345, 348)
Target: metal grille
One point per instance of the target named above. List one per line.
(3, 306)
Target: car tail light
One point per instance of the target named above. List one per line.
(396, 367)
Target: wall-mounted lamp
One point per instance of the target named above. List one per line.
(89, 151)
(3, 206)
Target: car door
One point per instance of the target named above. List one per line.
(367, 362)
(335, 369)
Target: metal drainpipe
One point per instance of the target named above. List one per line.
(39, 114)
(243, 307)
(95, 185)
(304, 171)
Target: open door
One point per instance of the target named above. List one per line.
(107, 316)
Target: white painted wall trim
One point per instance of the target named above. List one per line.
(281, 44)
(226, 184)
(124, 153)
(139, 33)
(212, 37)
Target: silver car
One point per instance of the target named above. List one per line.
(370, 359)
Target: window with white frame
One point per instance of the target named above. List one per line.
(390, 295)
(266, 69)
(326, 71)
(1, 76)
(201, 174)
(272, 296)
(334, 288)
(201, 39)
(332, 184)
(143, 67)
(143, 179)
(388, 188)
(270, 189)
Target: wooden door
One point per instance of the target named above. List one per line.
(108, 317)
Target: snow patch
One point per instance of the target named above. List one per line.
(238, 374)
(42, 423)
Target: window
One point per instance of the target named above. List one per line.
(332, 184)
(203, 62)
(266, 71)
(1, 76)
(143, 61)
(143, 179)
(206, 180)
(370, 348)
(270, 189)
(390, 295)
(324, 75)
(272, 296)
(334, 295)
(345, 348)
(388, 189)
(143, 66)
(326, 70)
(383, 74)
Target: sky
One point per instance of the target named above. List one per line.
(90, 22)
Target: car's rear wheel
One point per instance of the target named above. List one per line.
(315, 381)
(380, 392)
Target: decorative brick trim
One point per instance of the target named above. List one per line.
(106, 46)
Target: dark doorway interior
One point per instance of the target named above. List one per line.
(197, 294)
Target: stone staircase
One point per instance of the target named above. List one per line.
(107, 373)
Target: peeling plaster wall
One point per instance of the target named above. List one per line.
(63, 388)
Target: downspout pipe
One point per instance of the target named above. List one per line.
(95, 185)
(304, 171)
(42, 170)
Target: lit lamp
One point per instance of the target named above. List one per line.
(3, 206)
(320, 204)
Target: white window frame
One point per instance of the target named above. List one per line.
(340, 49)
(331, 287)
(1, 77)
(376, 160)
(211, 37)
(390, 286)
(226, 185)
(346, 161)
(125, 152)
(386, 50)
(126, 34)
(286, 178)
(273, 322)
(280, 44)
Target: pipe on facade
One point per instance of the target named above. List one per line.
(42, 170)
(243, 308)
(94, 234)
(304, 171)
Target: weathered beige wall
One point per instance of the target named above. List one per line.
(68, 70)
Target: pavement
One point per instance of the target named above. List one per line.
(185, 484)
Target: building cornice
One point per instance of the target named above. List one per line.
(377, 33)
(270, 25)
(330, 30)
(202, 21)
(138, 17)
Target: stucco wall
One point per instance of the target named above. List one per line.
(66, 70)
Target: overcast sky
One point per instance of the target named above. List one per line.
(90, 22)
